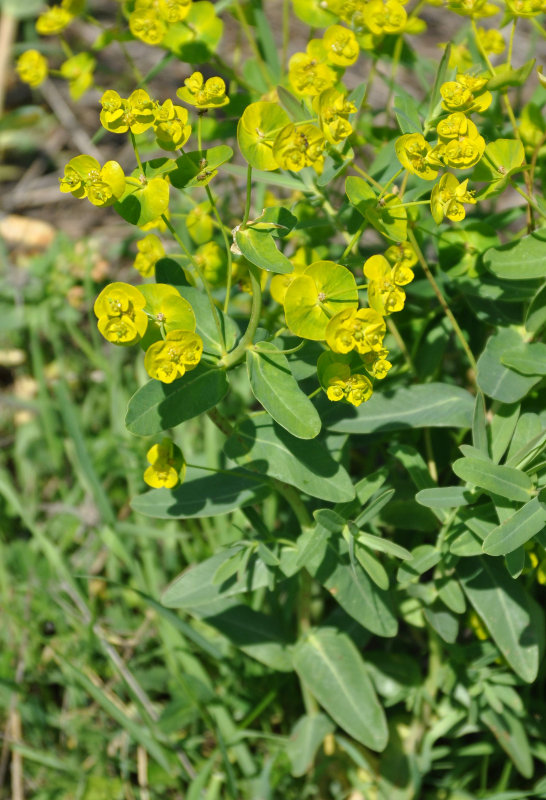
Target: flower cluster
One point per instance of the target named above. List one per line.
(459, 145)
(158, 315)
(32, 68)
(138, 113)
(203, 94)
(151, 19)
(84, 177)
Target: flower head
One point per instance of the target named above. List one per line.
(447, 199)
(150, 250)
(121, 319)
(135, 113)
(298, 146)
(203, 93)
(362, 330)
(167, 465)
(341, 45)
(54, 20)
(414, 153)
(384, 282)
(309, 73)
(84, 177)
(32, 68)
(172, 357)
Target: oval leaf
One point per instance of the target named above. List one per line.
(157, 406)
(274, 386)
(494, 478)
(331, 667)
(529, 520)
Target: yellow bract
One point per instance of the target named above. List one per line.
(54, 20)
(460, 146)
(167, 465)
(213, 262)
(333, 109)
(341, 46)
(324, 289)
(32, 68)
(299, 146)
(491, 41)
(401, 255)
(388, 17)
(119, 115)
(166, 309)
(150, 19)
(150, 250)
(203, 94)
(384, 292)
(413, 152)
(121, 318)
(362, 330)
(257, 130)
(447, 198)
(170, 359)
(355, 389)
(78, 71)
(309, 73)
(473, 8)
(465, 94)
(84, 177)
(525, 8)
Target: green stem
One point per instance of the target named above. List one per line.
(367, 177)
(511, 43)
(441, 299)
(204, 281)
(530, 200)
(354, 240)
(236, 355)
(391, 181)
(226, 245)
(137, 155)
(199, 133)
(480, 46)
(248, 197)
(285, 33)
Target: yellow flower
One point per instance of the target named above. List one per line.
(491, 41)
(84, 177)
(356, 389)
(32, 68)
(401, 255)
(174, 10)
(203, 94)
(465, 94)
(146, 24)
(525, 8)
(460, 146)
(136, 113)
(333, 109)
(473, 8)
(299, 146)
(167, 465)
(54, 20)
(341, 46)
(171, 126)
(385, 17)
(308, 72)
(362, 329)
(121, 319)
(447, 198)
(413, 152)
(460, 56)
(150, 250)
(384, 292)
(179, 353)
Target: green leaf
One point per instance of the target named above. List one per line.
(479, 429)
(502, 429)
(203, 494)
(445, 497)
(439, 78)
(494, 378)
(383, 545)
(423, 558)
(331, 667)
(276, 389)
(444, 622)
(143, 204)
(197, 168)
(305, 739)
(263, 446)
(407, 114)
(536, 313)
(505, 76)
(195, 589)
(434, 405)
(495, 478)
(528, 359)
(386, 215)
(501, 159)
(503, 605)
(206, 325)
(256, 634)
(510, 734)
(521, 259)
(529, 520)
(327, 559)
(292, 105)
(260, 249)
(157, 406)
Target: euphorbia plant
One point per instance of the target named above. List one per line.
(328, 322)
